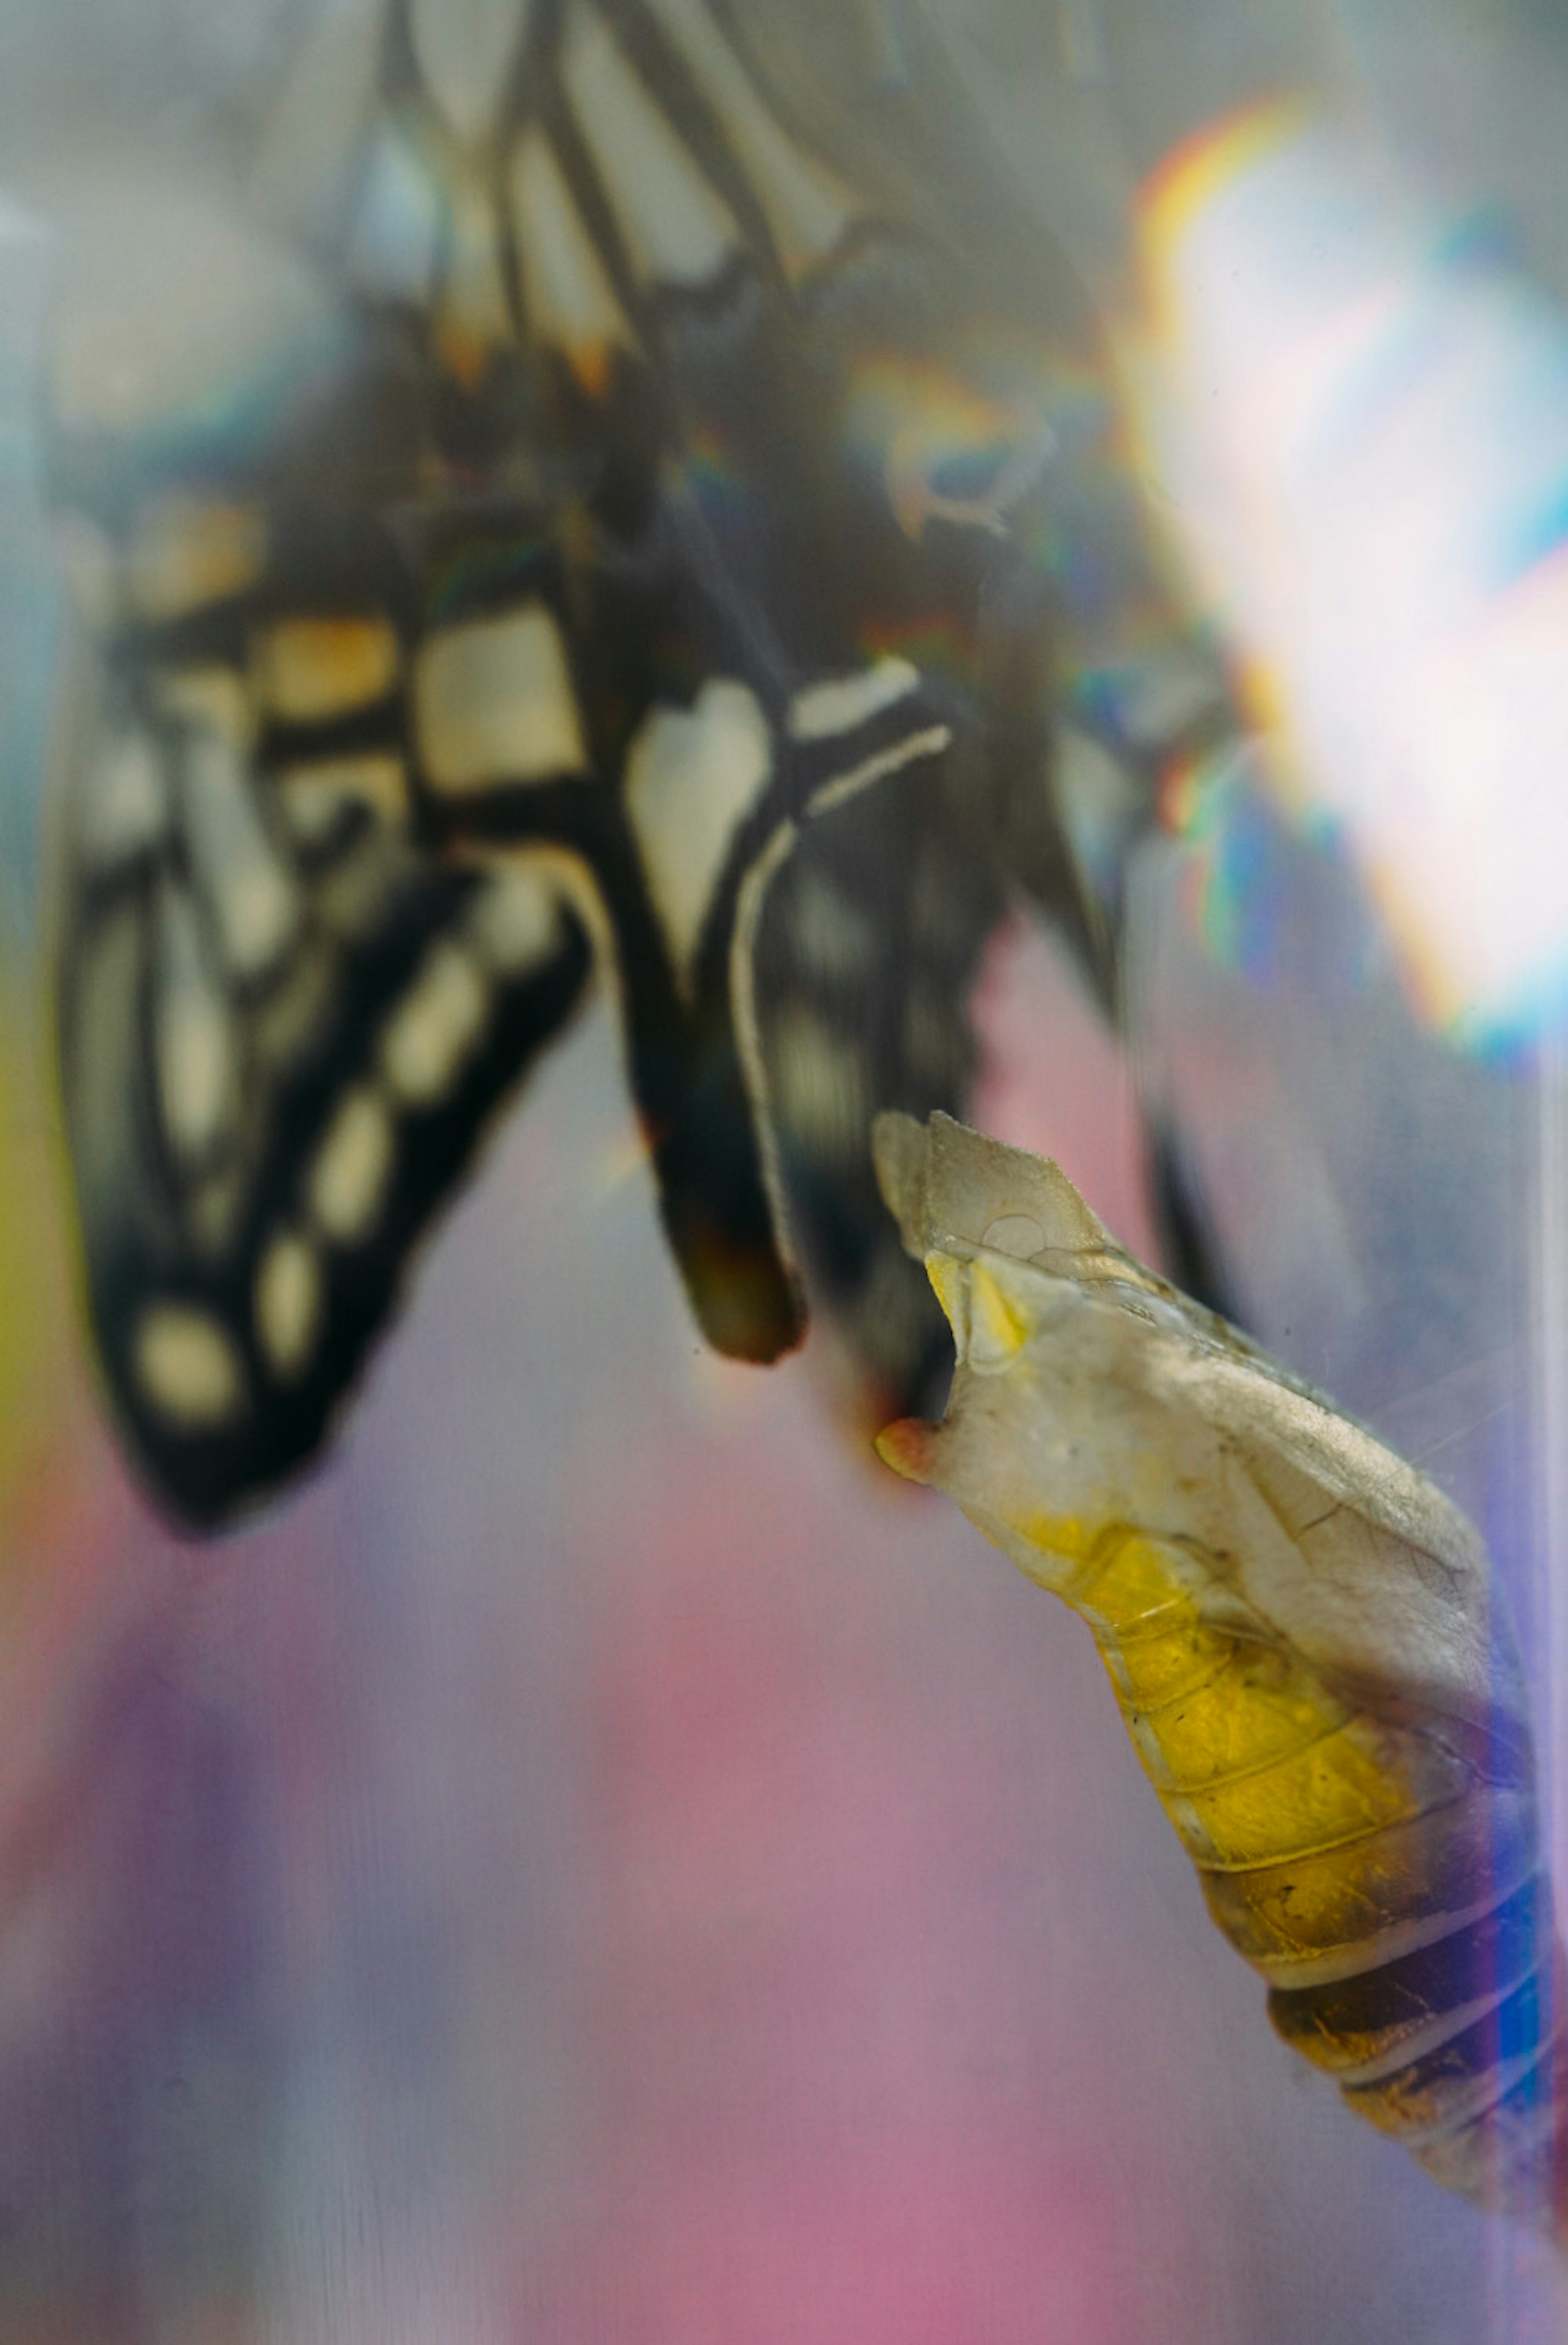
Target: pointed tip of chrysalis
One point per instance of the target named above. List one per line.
(909, 1447)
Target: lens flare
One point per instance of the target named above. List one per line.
(1364, 411)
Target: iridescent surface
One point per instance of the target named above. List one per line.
(1369, 407)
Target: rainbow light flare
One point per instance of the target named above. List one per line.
(1364, 416)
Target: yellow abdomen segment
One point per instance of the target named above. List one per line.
(1320, 1830)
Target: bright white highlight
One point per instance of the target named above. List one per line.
(1371, 439)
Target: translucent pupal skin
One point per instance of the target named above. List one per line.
(1305, 1641)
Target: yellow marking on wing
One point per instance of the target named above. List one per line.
(315, 668)
(187, 552)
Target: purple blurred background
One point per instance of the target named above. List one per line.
(606, 1862)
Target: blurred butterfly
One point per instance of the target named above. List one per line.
(572, 499)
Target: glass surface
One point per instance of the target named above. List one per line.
(600, 1859)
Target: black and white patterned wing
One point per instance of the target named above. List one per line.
(572, 492)
(864, 966)
(282, 1024)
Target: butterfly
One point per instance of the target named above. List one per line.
(572, 504)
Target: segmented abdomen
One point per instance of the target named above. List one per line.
(1383, 1879)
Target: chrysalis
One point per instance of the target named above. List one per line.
(1304, 1637)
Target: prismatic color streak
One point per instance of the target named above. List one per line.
(1360, 407)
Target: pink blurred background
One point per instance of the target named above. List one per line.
(606, 1862)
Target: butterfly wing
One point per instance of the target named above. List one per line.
(629, 508)
(282, 1027)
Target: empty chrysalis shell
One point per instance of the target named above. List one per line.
(1305, 1640)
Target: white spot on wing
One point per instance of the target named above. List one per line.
(436, 1026)
(253, 901)
(187, 1367)
(843, 703)
(691, 781)
(464, 49)
(195, 1042)
(516, 922)
(289, 1304)
(122, 805)
(678, 230)
(493, 704)
(349, 1178)
(569, 298)
(806, 207)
